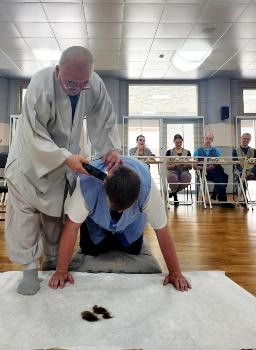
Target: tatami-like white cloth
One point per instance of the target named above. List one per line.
(216, 314)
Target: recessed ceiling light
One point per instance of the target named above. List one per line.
(188, 60)
(209, 30)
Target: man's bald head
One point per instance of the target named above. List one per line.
(208, 139)
(74, 69)
(76, 55)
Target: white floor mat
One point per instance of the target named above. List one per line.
(216, 314)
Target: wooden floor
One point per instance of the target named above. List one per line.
(217, 239)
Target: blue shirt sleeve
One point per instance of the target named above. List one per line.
(99, 164)
(254, 168)
(196, 153)
(218, 152)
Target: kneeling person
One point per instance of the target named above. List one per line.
(116, 212)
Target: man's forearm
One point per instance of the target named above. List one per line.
(67, 243)
(168, 249)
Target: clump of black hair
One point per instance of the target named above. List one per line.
(97, 310)
(89, 316)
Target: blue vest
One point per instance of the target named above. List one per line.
(132, 222)
(201, 153)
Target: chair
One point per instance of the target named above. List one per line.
(202, 190)
(241, 191)
(187, 193)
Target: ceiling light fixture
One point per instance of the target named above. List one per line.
(209, 30)
(47, 55)
(188, 60)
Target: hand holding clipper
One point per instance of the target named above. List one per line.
(94, 171)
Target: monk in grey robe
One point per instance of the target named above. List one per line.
(44, 157)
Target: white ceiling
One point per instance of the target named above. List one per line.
(127, 36)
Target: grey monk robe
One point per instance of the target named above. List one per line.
(45, 138)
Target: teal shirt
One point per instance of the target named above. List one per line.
(207, 151)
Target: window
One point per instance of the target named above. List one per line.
(176, 105)
(150, 129)
(23, 93)
(163, 100)
(249, 101)
(20, 97)
(160, 111)
(186, 130)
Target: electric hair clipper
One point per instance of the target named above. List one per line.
(94, 171)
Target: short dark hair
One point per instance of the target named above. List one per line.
(177, 137)
(140, 136)
(122, 187)
(247, 133)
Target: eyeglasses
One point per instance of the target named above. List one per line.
(73, 85)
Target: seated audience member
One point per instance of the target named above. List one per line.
(140, 150)
(247, 152)
(116, 212)
(178, 175)
(214, 173)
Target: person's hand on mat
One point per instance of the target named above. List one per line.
(178, 280)
(59, 278)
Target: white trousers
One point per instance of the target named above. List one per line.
(30, 234)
